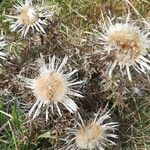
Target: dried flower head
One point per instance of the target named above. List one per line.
(30, 17)
(2, 44)
(52, 86)
(95, 134)
(129, 46)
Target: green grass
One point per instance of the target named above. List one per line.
(76, 19)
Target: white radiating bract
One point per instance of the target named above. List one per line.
(2, 44)
(128, 45)
(52, 87)
(29, 17)
(96, 134)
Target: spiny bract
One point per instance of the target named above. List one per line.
(128, 46)
(2, 44)
(52, 86)
(95, 134)
(29, 17)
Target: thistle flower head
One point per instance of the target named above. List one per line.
(52, 86)
(2, 44)
(29, 17)
(95, 134)
(129, 46)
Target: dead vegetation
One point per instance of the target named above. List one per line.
(70, 34)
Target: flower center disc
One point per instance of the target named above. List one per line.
(50, 87)
(88, 137)
(128, 44)
(28, 16)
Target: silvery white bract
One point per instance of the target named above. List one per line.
(52, 87)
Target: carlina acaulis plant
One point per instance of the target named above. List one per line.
(52, 86)
(128, 45)
(97, 133)
(28, 17)
(75, 74)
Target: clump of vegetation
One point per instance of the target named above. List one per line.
(53, 46)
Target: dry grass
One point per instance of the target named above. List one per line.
(70, 34)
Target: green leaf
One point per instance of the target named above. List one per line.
(46, 135)
(16, 116)
(3, 118)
